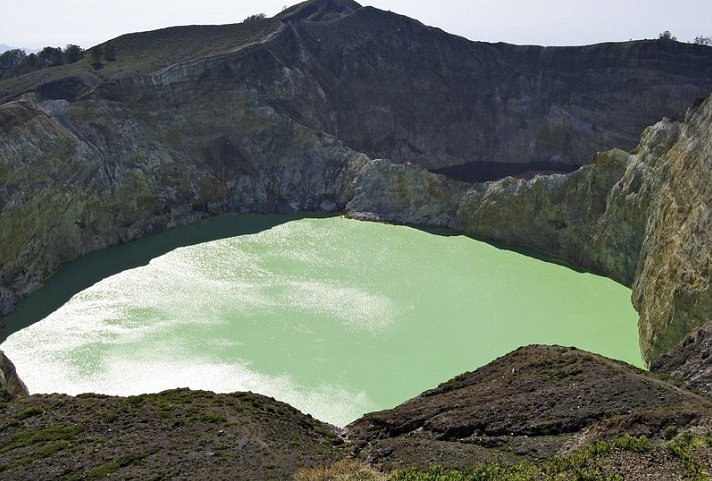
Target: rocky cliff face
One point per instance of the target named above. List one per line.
(10, 383)
(691, 360)
(75, 177)
(285, 114)
(393, 88)
(642, 219)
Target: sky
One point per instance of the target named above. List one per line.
(37, 23)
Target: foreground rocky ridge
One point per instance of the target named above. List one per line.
(178, 434)
(537, 403)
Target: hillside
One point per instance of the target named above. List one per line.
(549, 409)
(285, 114)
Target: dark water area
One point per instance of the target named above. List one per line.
(486, 171)
(81, 273)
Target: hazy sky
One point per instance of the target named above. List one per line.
(37, 23)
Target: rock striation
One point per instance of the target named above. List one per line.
(537, 401)
(691, 360)
(642, 219)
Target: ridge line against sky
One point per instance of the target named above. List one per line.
(552, 22)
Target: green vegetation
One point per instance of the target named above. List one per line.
(346, 470)
(16, 61)
(255, 18)
(29, 412)
(582, 465)
(103, 470)
(54, 433)
(684, 446)
(667, 35)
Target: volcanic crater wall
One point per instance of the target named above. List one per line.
(292, 120)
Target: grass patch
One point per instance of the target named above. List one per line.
(29, 412)
(50, 449)
(582, 465)
(346, 470)
(103, 470)
(109, 416)
(213, 418)
(684, 446)
(54, 433)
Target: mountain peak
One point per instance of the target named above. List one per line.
(319, 10)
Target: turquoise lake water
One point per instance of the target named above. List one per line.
(334, 316)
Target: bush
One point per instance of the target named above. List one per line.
(73, 53)
(666, 35)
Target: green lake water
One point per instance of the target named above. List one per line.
(334, 316)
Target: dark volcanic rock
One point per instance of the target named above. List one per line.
(691, 360)
(177, 434)
(393, 88)
(532, 402)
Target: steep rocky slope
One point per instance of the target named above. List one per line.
(532, 406)
(643, 219)
(534, 402)
(691, 360)
(10, 383)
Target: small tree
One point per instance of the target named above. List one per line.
(11, 58)
(666, 35)
(51, 56)
(97, 54)
(109, 52)
(255, 18)
(73, 53)
(703, 41)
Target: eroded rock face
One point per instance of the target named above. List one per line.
(10, 382)
(406, 194)
(535, 401)
(76, 177)
(691, 360)
(396, 89)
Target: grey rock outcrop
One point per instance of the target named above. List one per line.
(691, 360)
(10, 383)
(407, 194)
(643, 219)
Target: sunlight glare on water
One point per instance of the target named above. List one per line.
(334, 316)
